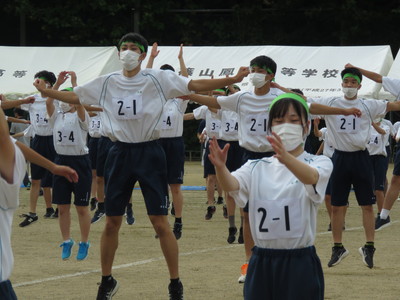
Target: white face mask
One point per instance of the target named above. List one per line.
(130, 59)
(65, 107)
(258, 79)
(349, 92)
(290, 134)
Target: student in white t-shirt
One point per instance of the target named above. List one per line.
(12, 171)
(133, 101)
(283, 193)
(70, 125)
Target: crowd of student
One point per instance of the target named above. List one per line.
(254, 152)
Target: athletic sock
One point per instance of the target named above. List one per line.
(231, 220)
(369, 245)
(384, 213)
(338, 245)
(178, 220)
(106, 280)
(175, 283)
(100, 206)
(32, 214)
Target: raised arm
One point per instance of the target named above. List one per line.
(317, 132)
(369, 74)
(153, 54)
(182, 64)
(200, 85)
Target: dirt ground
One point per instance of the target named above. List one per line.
(209, 266)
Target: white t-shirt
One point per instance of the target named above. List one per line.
(9, 194)
(252, 113)
(229, 130)
(38, 116)
(328, 148)
(171, 124)
(213, 121)
(70, 133)
(377, 141)
(282, 210)
(132, 106)
(392, 86)
(392, 131)
(350, 133)
(95, 126)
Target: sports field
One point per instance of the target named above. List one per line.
(209, 266)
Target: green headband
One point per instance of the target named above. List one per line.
(352, 76)
(43, 78)
(269, 71)
(141, 47)
(291, 96)
(68, 89)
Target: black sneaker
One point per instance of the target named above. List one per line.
(220, 200)
(49, 213)
(338, 253)
(55, 215)
(330, 227)
(93, 203)
(381, 223)
(210, 212)
(367, 254)
(177, 230)
(232, 235)
(240, 238)
(225, 212)
(29, 219)
(176, 294)
(98, 214)
(107, 292)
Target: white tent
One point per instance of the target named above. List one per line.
(315, 70)
(18, 65)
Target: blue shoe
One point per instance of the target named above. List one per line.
(83, 250)
(66, 251)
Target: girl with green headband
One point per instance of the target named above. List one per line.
(283, 192)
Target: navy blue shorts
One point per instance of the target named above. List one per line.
(352, 168)
(208, 166)
(43, 145)
(380, 166)
(7, 291)
(92, 145)
(247, 154)
(103, 147)
(128, 163)
(281, 274)
(174, 149)
(235, 155)
(396, 168)
(62, 188)
(329, 186)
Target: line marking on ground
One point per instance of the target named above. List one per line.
(136, 263)
(352, 228)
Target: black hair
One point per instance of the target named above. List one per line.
(264, 62)
(167, 67)
(297, 91)
(281, 107)
(135, 38)
(49, 76)
(19, 111)
(228, 91)
(353, 71)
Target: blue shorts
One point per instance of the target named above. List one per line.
(396, 168)
(352, 168)
(284, 274)
(329, 186)
(92, 145)
(380, 166)
(174, 149)
(7, 291)
(235, 155)
(127, 163)
(253, 155)
(43, 145)
(103, 147)
(62, 188)
(208, 166)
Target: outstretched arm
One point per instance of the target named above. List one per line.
(210, 101)
(68, 97)
(369, 74)
(320, 109)
(7, 104)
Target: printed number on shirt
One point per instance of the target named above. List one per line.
(95, 124)
(40, 119)
(278, 219)
(374, 139)
(65, 138)
(128, 108)
(257, 124)
(215, 125)
(230, 126)
(347, 124)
